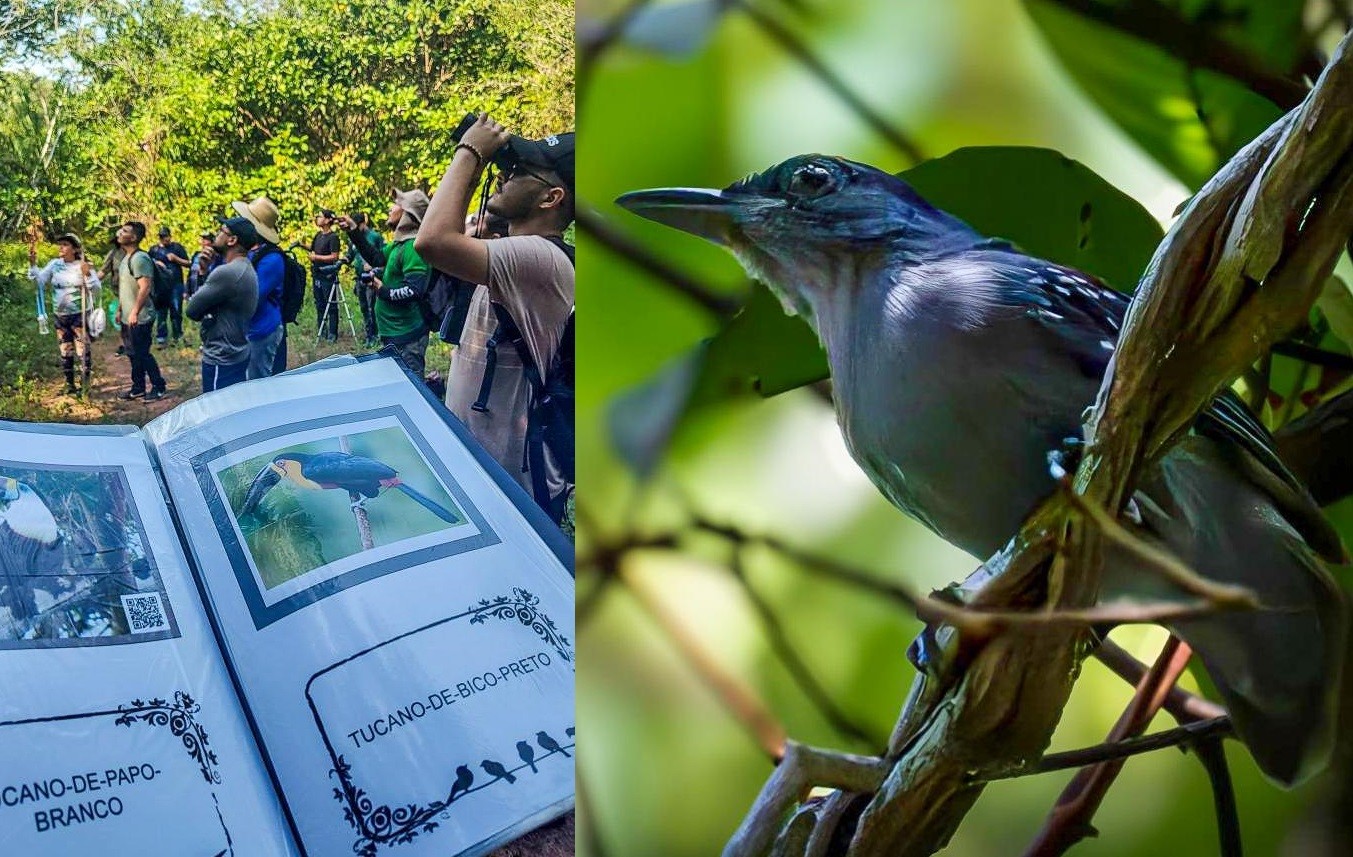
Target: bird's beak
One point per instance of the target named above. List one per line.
(699, 211)
(269, 476)
(9, 489)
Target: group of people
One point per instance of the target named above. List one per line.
(520, 273)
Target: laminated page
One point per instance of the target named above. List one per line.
(120, 732)
(397, 612)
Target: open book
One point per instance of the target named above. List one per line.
(305, 615)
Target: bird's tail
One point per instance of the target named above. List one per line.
(428, 503)
(507, 775)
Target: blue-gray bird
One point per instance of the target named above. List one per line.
(958, 363)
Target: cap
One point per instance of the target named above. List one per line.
(327, 213)
(554, 152)
(242, 228)
(70, 238)
(164, 232)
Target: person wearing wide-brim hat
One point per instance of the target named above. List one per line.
(262, 212)
(267, 334)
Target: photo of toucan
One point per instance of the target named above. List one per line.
(363, 478)
(30, 543)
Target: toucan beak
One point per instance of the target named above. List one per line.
(709, 214)
(269, 476)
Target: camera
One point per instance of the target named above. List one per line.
(505, 158)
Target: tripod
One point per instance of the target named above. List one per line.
(336, 297)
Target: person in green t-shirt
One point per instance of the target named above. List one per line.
(135, 273)
(403, 282)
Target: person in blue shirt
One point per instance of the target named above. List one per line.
(267, 333)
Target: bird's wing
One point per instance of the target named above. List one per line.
(345, 465)
(1086, 316)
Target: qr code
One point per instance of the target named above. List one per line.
(145, 613)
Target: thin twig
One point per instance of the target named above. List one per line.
(1185, 707)
(1161, 561)
(1211, 753)
(980, 623)
(1185, 735)
(795, 46)
(1070, 820)
(737, 698)
(797, 668)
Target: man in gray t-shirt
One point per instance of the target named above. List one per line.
(135, 311)
(224, 305)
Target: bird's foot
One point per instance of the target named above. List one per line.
(1064, 460)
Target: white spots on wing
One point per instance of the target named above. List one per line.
(1062, 290)
(1106, 344)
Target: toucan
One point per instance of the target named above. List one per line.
(30, 542)
(360, 476)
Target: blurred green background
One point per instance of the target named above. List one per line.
(294, 530)
(702, 93)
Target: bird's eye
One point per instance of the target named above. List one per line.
(811, 181)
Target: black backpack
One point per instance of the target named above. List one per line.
(293, 283)
(550, 414)
(162, 282)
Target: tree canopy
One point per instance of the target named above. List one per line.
(166, 110)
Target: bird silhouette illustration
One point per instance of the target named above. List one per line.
(569, 731)
(544, 740)
(363, 478)
(464, 778)
(495, 769)
(528, 755)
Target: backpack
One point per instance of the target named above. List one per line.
(550, 413)
(162, 285)
(449, 299)
(293, 283)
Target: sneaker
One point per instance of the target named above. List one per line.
(72, 390)
(122, 351)
(132, 394)
(155, 395)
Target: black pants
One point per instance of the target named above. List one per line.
(326, 306)
(169, 315)
(143, 362)
(366, 299)
(70, 334)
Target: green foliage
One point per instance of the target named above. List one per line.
(1190, 118)
(173, 109)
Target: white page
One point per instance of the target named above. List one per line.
(417, 692)
(118, 722)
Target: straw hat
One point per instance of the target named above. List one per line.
(262, 212)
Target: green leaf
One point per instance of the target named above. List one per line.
(1189, 118)
(1075, 218)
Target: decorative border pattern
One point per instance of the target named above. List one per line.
(523, 608)
(178, 716)
(385, 825)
